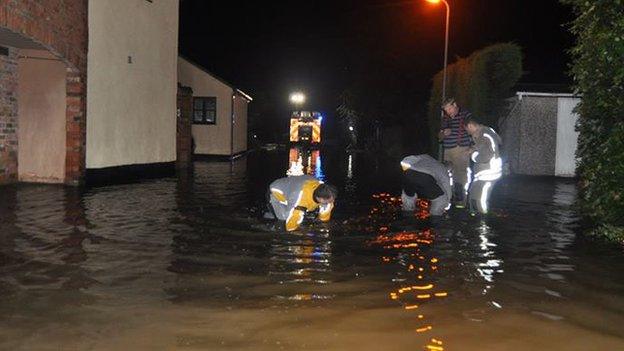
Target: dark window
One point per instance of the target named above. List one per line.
(205, 110)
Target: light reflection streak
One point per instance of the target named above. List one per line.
(305, 161)
(303, 261)
(408, 250)
(491, 265)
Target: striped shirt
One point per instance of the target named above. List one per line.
(459, 136)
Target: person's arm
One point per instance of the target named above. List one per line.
(279, 204)
(444, 126)
(296, 213)
(483, 149)
(325, 212)
(295, 217)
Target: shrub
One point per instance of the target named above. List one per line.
(598, 74)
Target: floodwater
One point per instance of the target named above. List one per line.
(183, 264)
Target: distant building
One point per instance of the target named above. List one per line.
(219, 111)
(43, 62)
(539, 136)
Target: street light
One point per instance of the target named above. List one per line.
(297, 98)
(446, 41)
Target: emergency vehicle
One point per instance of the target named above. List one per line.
(305, 127)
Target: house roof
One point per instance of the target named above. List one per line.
(202, 68)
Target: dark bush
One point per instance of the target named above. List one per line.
(598, 73)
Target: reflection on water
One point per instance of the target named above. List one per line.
(411, 252)
(303, 260)
(304, 160)
(183, 264)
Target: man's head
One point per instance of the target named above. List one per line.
(325, 194)
(449, 106)
(472, 126)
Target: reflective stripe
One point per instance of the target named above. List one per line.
(279, 195)
(474, 156)
(494, 172)
(292, 210)
(491, 141)
(484, 196)
(450, 177)
(468, 179)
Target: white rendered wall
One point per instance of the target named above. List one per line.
(210, 139)
(567, 137)
(131, 106)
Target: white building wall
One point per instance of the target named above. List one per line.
(240, 124)
(567, 137)
(216, 139)
(131, 106)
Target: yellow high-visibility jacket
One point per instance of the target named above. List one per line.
(292, 197)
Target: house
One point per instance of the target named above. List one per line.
(219, 111)
(539, 136)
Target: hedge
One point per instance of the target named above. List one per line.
(598, 73)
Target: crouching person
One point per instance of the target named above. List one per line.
(426, 178)
(291, 197)
(488, 165)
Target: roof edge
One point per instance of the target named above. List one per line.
(202, 68)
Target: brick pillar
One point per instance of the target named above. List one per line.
(184, 134)
(8, 116)
(76, 128)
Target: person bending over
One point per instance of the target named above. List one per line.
(426, 178)
(291, 197)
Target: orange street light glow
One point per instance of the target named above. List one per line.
(434, 1)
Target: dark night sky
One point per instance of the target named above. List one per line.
(269, 48)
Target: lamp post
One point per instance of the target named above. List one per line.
(446, 41)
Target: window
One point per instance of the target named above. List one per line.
(205, 110)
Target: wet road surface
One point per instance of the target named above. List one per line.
(183, 264)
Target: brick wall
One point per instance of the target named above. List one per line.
(61, 27)
(58, 25)
(8, 117)
(184, 131)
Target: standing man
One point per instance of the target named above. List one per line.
(426, 178)
(456, 142)
(291, 197)
(488, 165)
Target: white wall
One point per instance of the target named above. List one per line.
(210, 139)
(131, 108)
(240, 124)
(567, 137)
(42, 123)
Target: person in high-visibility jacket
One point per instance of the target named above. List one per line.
(488, 164)
(291, 197)
(426, 178)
